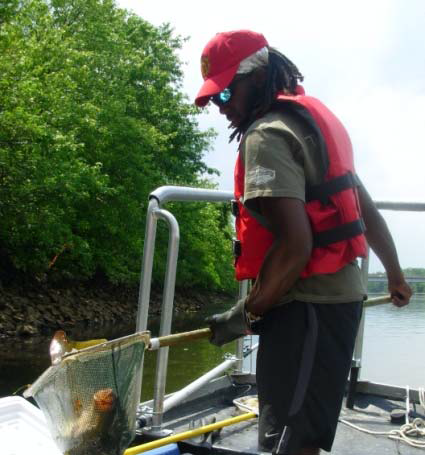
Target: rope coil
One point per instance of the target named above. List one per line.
(408, 433)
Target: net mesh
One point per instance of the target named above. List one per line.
(90, 398)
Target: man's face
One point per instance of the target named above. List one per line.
(242, 90)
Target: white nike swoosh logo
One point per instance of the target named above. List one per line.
(267, 435)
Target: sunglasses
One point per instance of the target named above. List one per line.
(222, 98)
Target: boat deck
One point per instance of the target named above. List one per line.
(370, 412)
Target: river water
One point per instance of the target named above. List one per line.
(394, 341)
(392, 351)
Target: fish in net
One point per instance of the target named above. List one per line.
(89, 397)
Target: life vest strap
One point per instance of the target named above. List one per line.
(344, 232)
(320, 239)
(322, 191)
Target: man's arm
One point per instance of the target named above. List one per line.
(288, 256)
(381, 242)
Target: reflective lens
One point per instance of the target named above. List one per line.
(222, 97)
(225, 95)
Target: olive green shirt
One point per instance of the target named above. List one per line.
(281, 152)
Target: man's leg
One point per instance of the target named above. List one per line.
(281, 335)
(281, 361)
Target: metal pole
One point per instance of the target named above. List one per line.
(147, 264)
(179, 396)
(182, 394)
(243, 292)
(183, 193)
(145, 278)
(401, 206)
(358, 348)
(356, 362)
(166, 316)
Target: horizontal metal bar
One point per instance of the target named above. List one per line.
(401, 206)
(184, 193)
(188, 391)
(167, 193)
(182, 394)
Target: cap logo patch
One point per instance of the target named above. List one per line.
(205, 66)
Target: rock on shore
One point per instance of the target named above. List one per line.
(39, 309)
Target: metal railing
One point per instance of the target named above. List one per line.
(157, 199)
(155, 211)
(358, 348)
(401, 206)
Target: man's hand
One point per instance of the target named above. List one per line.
(229, 325)
(400, 292)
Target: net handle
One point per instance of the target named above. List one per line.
(177, 338)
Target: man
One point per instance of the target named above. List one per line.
(302, 220)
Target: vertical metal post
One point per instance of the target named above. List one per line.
(145, 278)
(356, 362)
(358, 348)
(243, 292)
(166, 317)
(147, 264)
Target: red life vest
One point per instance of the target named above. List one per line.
(332, 206)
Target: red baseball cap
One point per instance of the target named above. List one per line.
(221, 57)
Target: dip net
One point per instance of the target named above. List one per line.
(90, 397)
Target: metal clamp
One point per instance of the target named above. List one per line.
(236, 248)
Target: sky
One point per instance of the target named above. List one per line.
(364, 59)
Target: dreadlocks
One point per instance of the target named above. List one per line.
(282, 75)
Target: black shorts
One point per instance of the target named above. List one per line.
(303, 362)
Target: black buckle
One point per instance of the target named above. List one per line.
(236, 247)
(234, 207)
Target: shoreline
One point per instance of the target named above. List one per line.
(41, 309)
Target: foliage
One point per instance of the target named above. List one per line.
(92, 118)
(201, 256)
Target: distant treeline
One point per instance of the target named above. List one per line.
(381, 286)
(93, 118)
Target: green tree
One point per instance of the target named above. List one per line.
(92, 118)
